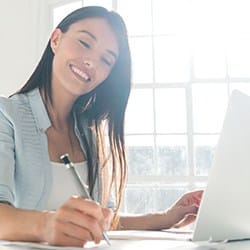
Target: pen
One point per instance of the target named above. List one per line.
(81, 187)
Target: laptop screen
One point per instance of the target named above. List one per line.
(224, 213)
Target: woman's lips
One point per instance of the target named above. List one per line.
(83, 75)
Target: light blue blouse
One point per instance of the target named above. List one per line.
(25, 169)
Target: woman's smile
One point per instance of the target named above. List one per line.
(80, 74)
(83, 56)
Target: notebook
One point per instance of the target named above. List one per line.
(224, 213)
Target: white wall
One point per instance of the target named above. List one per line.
(23, 35)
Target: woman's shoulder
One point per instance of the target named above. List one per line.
(24, 110)
(11, 105)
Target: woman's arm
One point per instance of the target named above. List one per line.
(21, 225)
(73, 224)
(180, 214)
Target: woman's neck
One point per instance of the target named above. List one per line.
(59, 111)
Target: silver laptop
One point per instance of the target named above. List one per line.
(224, 213)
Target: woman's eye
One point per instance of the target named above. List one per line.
(86, 45)
(107, 62)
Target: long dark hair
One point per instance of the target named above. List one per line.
(107, 102)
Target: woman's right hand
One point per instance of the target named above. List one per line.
(76, 222)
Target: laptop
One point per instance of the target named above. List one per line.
(224, 213)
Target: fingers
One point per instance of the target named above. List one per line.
(187, 214)
(197, 196)
(190, 198)
(184, 211)
(103, 215)
(85, 206)
(76, 222)
(68, 241)
(186, 221)
(188, 210)
(108, 217)
(61, 235)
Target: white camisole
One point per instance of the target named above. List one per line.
(63, 186)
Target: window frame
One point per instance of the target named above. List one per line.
(190, 181)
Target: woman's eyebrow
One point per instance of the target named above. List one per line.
(111, 52)
(89, 33)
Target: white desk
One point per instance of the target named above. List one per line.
(143, 245)
(138, 240)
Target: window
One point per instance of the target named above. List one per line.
(188, 56)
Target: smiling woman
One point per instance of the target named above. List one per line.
(78, 91)
(69, 113)
(70, 57)
(89, 49)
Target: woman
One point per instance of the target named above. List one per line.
(78, 91)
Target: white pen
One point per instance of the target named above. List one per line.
(81, 187)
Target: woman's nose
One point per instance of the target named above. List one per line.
(88, 63)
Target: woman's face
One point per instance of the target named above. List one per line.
(83, 56)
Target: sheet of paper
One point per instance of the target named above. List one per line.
(149, 235)
(125, 240)
(115, 245)
(113, 236)
(145, 244)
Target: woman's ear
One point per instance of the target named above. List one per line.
(55, 39)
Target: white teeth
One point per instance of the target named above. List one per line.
(80, 73)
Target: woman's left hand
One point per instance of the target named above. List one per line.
(184, 211)
(181, 213)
